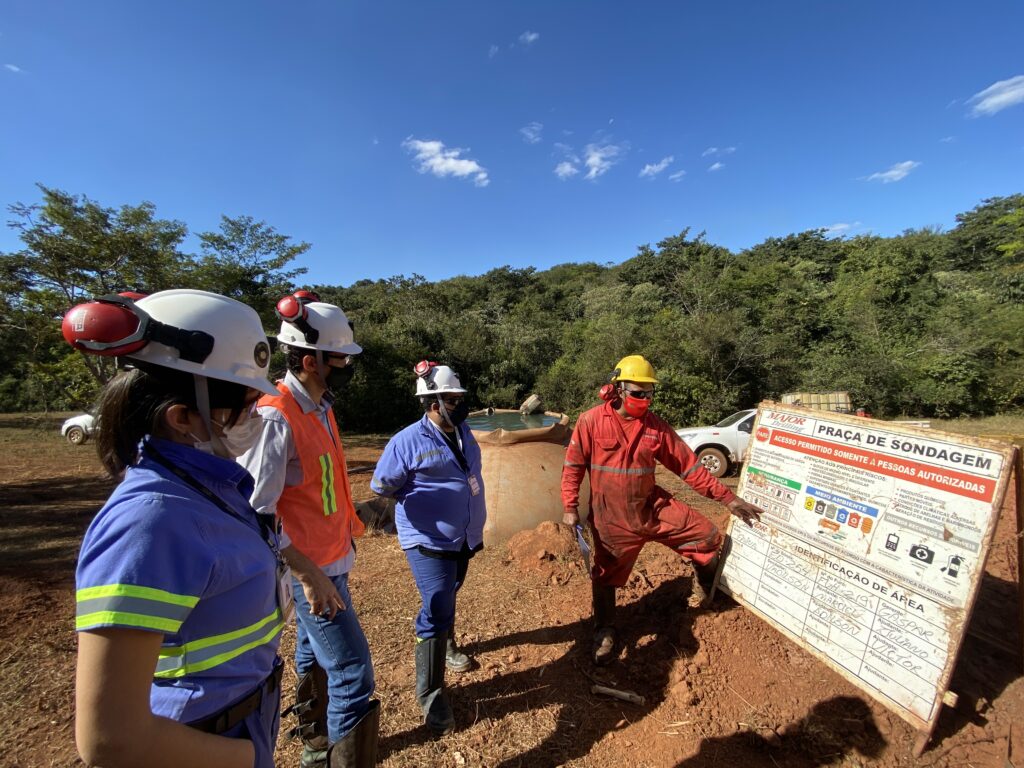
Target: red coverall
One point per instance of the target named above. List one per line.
(627, 508)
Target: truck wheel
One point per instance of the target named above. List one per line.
(714, 461)
(76, 436)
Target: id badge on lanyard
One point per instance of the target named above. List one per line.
(474, 485)
(285, 596)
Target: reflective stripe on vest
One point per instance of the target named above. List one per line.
(327, 494)
(208, 652)
(128, 605)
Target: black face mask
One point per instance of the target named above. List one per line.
(459, 413)
(338, 378)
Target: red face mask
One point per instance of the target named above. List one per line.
(635, 406)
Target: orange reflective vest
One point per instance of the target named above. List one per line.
(317, 514)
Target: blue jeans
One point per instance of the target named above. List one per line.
(340, 647)
(438, 580)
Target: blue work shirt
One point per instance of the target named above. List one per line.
(161, 557)
(436, 505)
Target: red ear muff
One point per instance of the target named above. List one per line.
(608, 393)
(292, 309)
(305, 297)
(103, 329)
(114, 325)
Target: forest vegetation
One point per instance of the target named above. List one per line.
(926, 323)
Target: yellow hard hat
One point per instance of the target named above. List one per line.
(634, 368)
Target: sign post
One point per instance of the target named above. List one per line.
(872, 551)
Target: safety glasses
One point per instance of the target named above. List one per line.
(643, 394)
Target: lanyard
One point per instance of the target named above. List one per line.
(266, 532)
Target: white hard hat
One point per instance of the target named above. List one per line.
(334, 331)
(240, 352)
(440, 380)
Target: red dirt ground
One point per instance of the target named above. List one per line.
(722, 688)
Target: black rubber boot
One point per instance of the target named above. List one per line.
(703, 580)
(455, 659)
(310, 708)
(358, 747)
(430, 662)
(603, 649)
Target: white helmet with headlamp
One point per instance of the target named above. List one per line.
(315, 325)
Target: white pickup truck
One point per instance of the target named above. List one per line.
(724, 446)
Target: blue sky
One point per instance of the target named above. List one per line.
(451, 138)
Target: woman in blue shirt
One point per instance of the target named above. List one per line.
(432, 469)
(178, 612)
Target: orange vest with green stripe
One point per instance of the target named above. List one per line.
(317, 514)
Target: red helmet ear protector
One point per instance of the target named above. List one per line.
(424, 369)
(305, 297)
(292, 309)
(114, 325)
(609, 393)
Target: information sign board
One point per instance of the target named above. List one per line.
(873, 547)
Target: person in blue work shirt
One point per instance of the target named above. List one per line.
(432, 469)
(301, 478)
(177, 607)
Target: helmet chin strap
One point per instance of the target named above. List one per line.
(320, 364)
(444, 413)
(203, 406)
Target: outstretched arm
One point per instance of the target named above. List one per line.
(676, 456)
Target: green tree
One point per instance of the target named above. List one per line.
(247, 261)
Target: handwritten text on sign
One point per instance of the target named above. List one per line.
(872, 548)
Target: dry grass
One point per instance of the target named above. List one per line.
(1003, 424)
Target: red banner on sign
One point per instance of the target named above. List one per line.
(960, 483)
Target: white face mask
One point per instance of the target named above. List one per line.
(202, 445)
(240, 437)
(234, 440)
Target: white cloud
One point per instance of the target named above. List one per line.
(12, 67)
(599, 158)
(653, 169)
(718, 151)
(434, 158)
(566, 170)
(709, 151)
(531, 132)
(716, 166)
(529, 38)
(492, 51)
(840, 228)
(998, 96)
(897, 172)
(947, 139)
(677, 176)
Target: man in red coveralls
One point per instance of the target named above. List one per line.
(619, 443)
